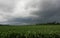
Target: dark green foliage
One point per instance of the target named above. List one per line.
(33, 31)
(39, 35)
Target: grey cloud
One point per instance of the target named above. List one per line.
(48, 11)
(6, 5)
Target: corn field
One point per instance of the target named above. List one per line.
(30, 31)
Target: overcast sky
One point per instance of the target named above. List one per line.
(29, 11)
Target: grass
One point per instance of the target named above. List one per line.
(33, 31)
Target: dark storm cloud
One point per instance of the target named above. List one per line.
(39, 12)
(50, 13)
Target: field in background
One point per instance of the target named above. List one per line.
(36, 28)
(31, 31)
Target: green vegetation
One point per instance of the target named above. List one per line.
(31, 31)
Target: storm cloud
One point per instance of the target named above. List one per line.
(29, 11)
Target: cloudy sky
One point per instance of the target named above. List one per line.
(29, 11)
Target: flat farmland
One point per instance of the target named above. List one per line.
(41, 28)
(30, 30)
